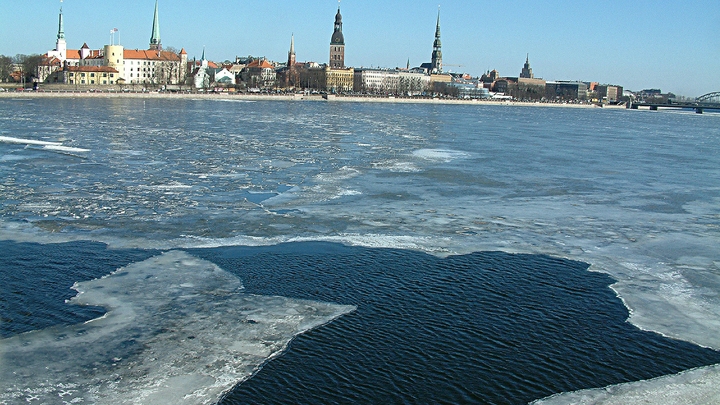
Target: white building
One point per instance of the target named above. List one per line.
(413, 83)
(147, 66)
(201, 74)
(390, 81)
(224, 77)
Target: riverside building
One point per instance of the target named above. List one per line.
(131, 66)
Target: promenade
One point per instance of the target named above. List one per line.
(281, 97)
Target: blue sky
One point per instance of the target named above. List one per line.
(668, 44)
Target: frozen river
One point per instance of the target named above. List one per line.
(634, 194)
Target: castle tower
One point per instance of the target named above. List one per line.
(84, 51)
(337, 44)
(436, 64)
(527, 70)
(60, 45)
(155, 37)
(182, 74)
(114, 57)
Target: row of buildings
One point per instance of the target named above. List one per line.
(114, 65)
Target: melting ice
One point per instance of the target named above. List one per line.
(177, 330)
(635, 194)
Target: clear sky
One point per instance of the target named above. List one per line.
(673, 45)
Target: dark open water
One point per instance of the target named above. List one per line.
(485, 327)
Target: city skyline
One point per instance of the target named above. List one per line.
(630, 44)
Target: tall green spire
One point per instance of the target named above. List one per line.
(155, 38)
(61, 28)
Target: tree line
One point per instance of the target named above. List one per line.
(25, 65)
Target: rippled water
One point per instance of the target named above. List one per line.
(632, 193)
(487, 328)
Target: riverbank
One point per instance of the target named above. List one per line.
(286, 97)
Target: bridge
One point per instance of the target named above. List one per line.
(710, 101)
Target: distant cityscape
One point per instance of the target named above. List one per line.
(167, 69)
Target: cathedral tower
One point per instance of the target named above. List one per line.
(436, 64)
(337, 44)
(155, 37)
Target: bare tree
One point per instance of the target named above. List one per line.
(28, 65)
(6, 68)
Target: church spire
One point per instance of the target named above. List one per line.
(61, 28)
(437, 48)
(155, 37)
(291, 53)
(60, 45)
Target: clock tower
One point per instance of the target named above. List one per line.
(337, 44)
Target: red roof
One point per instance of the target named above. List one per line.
(50, 61)
(96, 69)
(262, 63)
(151, 55)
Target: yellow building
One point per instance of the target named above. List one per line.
(327, 79)
(90, 75)
(440, 78)
(339, 80)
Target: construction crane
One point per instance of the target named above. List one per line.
(450, 64)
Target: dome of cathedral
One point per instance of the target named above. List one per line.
(337, 38)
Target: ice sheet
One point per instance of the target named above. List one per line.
(10, 139)
(698, 387)
(178, 330)
(68, 149)
(440, 154)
